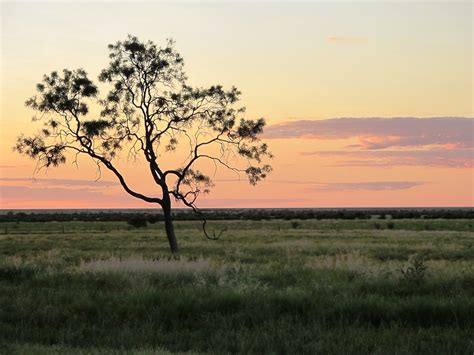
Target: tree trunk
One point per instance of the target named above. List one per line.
(170, 229)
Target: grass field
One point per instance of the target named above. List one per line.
(282, 287)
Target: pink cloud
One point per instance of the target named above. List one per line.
(449, 158)
(378, 133)
(368, 186)
(52, 194)
(353, 186)
(27, 193)
(63, 182)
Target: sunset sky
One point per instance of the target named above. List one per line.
(368, 104)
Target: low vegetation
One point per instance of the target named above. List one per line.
(155, 215)
(272, 286)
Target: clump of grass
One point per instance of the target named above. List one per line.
(295, 224)
(352, 262)
(416, 270)
(139, 265)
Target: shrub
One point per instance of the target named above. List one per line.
(295, 224)
(416, 271)
(154, 219)
(137, 222)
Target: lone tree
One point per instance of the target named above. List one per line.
(148, 112)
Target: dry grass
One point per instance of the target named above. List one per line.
(140, 265)
(297, 243)
(355, 262)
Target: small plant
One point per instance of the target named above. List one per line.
(377, 225)
(390, 225)
(153, 219)
(137, 222)
(416, 271)
(295, 224)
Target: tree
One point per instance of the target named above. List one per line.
(148, 111)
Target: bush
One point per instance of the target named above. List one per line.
(416, 271)
(137, 222)
(154, 219)
(390, 225)
(295, 224)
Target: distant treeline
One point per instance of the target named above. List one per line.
(153, 216)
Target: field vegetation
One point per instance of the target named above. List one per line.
(378, 286)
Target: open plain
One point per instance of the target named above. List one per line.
(272, 286)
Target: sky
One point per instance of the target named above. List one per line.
(368, 104)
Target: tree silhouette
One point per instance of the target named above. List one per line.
(149, 111)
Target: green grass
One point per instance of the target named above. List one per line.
(329, 286)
